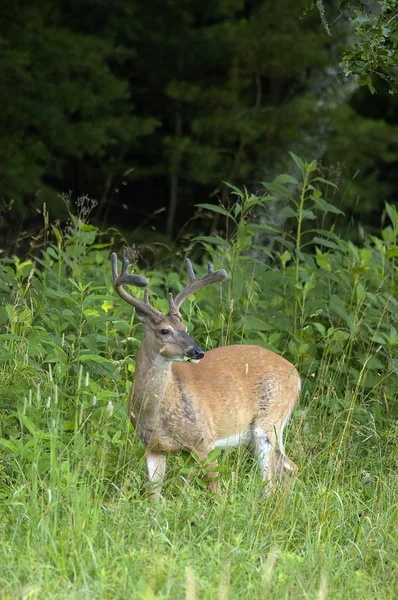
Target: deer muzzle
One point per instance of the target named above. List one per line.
(192, 350)
(195, 353)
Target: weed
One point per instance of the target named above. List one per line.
(75, 520)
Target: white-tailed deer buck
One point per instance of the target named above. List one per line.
(222, 398)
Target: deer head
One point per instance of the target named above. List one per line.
(165, 335)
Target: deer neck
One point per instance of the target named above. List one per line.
(153, 375)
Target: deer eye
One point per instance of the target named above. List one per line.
(164, 331)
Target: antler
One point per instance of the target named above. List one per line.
(195, 285)
(137, 280)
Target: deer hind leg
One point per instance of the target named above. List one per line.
(264, 445)
(274, 464)
(285, 468)
(156, 465)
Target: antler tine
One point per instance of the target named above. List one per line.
(191, 273)
(136, 280)
(125, 277)
(195, 284)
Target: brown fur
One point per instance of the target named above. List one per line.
(181, 405)
(241, 394)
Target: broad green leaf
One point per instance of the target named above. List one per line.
(101, 246)
(285, 178)
(87, 226)
(237, 191)
(11, 336)
(277, 189)
(216, 209)
(90, 312)
(107, 306)
(360, 290)
(308, 214)
(28, 423)
(393, 253)
(24, 268)
(339, 335)
(392, 213)
(213, 455)
(337, 305)
(325, 181)
(270, 228)
(285, 257)
(289, 212)
(367, 80)
(321, 328)
(211, 239)
(96, 358)
(299, 162)
(326, 207)
(322, 242)
(312, 166)
(322, 260)
(254, 323)
(57, 235)
(53, 252)
(310, 283)
(51, 293)
(8, 445)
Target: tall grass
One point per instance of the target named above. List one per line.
(75, 518)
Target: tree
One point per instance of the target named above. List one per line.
(229, 82)
(373, 53)
(61, 101)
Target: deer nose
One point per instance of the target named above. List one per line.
(195, 352)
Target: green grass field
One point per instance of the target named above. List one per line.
(75, 517)
(83, 530)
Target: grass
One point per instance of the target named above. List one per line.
(75, 517)
(80, 530)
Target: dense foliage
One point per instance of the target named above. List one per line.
(74, 519)
(151, 107)
(374, 54)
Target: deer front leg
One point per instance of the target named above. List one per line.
(212, 477)
(210, 474)
(156, 465)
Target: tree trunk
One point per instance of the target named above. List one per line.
(174, 175)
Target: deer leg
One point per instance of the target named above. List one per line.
(274, 464)
(285, 468)
(264, 451)
(156, 465)
(212, 478)
(210, 474)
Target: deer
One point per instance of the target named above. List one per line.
(183, 398)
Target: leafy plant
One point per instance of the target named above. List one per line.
(74, 517)
(375, 50)
(321, 299)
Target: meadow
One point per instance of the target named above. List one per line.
(75, 517)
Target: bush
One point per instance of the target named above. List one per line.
(69, 459)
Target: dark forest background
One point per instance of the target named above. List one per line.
(148, 107)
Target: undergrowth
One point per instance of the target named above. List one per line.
(75, 519)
